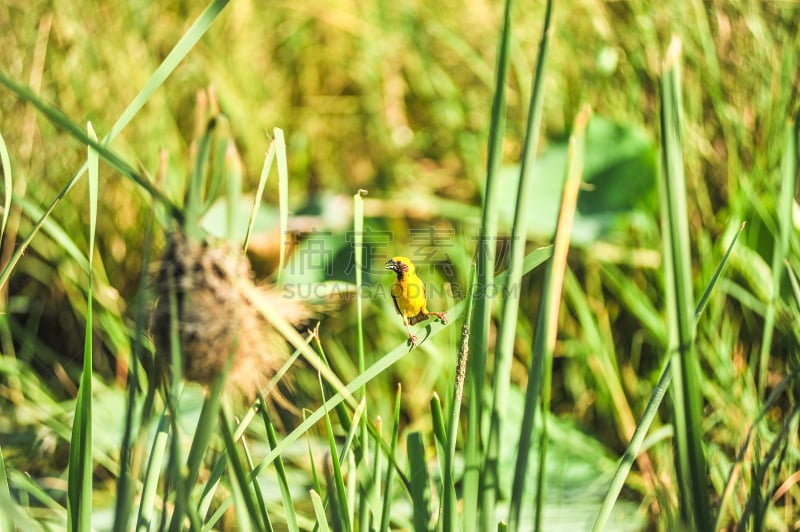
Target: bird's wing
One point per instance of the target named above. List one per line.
(396, 306)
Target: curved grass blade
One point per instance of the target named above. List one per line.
(506, 336)
(338, 495)
(241, 479)
(125, 488)
(5, 163)
(387, 491)
(485, 278)
(420, 482)
(691, 463)
(780, 251)
(283, 196)
(79, 488)
(155, 459)
(358, 255)
(283, 482)
(6, 520)
(319, 511)
(539, 381)
(262, 183)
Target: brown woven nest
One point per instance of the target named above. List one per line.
(217, 318)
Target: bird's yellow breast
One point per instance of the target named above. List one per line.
(409, 294)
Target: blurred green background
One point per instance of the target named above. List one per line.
(395, 98)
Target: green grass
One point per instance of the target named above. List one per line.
(622, 345)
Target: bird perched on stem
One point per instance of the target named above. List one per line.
(409, 295)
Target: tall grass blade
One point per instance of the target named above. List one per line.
(387, 490)
(338, 494)
(206, 427)
(79, 488)
(233, 192)
(507, 334)
(283, 482)
(193, 201)
(485, 278)
(780, 251)
(262, 505)
(170, 63)
(125, 485)
(6, 502)
(283, 196)
(358, 256)
(155, 460)
(262, 183)
(420, 482)
(241, 480)
(113, 159)
(539, 380)
(691, 463)
(319, 511)
(5, 163)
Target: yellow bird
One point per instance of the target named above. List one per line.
(409, 295)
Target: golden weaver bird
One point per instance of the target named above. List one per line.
(409, 295)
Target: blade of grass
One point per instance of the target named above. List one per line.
(125, 488)
(210, 488)
(262, 506)
(319, 511)
(201, 439)
(358, 255)
(485, 278)
(506, 336)
(338, 494)
(283, 196)
(540, 374)
(193, 200)
(691, 463)
(377, 480)
(780, 251)
(6, 519)
(283, 482)
(155, 460)
(387, 491)
(250, 519)
(420, 482)
(262, 183)
(170, 63)
(5, 162)
(220, 170)
(113, 159)
(79, 488)
(233, 182)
